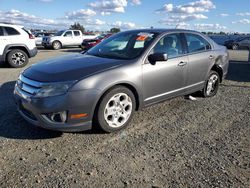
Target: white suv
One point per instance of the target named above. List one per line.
(17, 45)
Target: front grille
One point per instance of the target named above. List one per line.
(28, 86)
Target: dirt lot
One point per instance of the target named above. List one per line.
(179, 143)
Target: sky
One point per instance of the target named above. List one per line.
(201, 15)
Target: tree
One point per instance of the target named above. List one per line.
(77, 26)
(115, 30)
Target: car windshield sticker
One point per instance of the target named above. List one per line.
(144, 36)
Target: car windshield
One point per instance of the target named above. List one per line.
(127, 45)
(240, 39)
(59, 33)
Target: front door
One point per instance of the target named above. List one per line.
(164, 79)
(77, 38)
(68, 38)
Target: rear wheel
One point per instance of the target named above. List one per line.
(56, 45)
(115, 110)
(212, 84)
(17, 58)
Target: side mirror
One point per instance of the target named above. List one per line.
(157, 57)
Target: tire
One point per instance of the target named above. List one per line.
(211, 85)
(115, 109)
(17, 58)
(235, 47)
(56, 45)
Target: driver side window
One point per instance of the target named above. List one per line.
(170, 45)
(68, 34)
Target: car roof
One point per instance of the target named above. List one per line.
(162, 30)
(10, 25)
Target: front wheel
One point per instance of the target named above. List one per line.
(212, 85)
(56, 45)
(235, 47)
(115, 109)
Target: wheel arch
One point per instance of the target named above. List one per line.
(127, 85)
(57, 41)
(219, 70)
(8, 48)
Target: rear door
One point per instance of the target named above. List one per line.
(201, 58)
(77, 38)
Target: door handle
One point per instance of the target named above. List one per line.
(211, 57)
(182, 63)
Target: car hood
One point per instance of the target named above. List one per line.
(51, 37)
(70, 67)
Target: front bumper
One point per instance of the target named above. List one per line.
(46, 44)
(34, 110)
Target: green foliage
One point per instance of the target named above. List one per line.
(77, 26)
(115, 30)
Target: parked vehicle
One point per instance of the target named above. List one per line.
(17, 45)
(89, 43)
(239, 43)
(39, 37)
(104, 86)
(221, 39)
(65, 38)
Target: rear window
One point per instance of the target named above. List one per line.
(11, 31)
(196, 43)
(1, 31)
(76, 33)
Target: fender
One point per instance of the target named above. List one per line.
(7, 49)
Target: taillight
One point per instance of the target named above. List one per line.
(31, 36)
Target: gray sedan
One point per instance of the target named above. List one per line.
(104, 86)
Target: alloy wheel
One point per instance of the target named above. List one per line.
(118, 110)
(212, 84)
(18, 58)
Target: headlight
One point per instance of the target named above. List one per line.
(54, 89)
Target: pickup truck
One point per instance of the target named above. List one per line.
(65, 38)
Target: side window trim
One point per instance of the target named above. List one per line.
(184, 43)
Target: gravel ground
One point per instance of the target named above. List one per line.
(179, 143)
